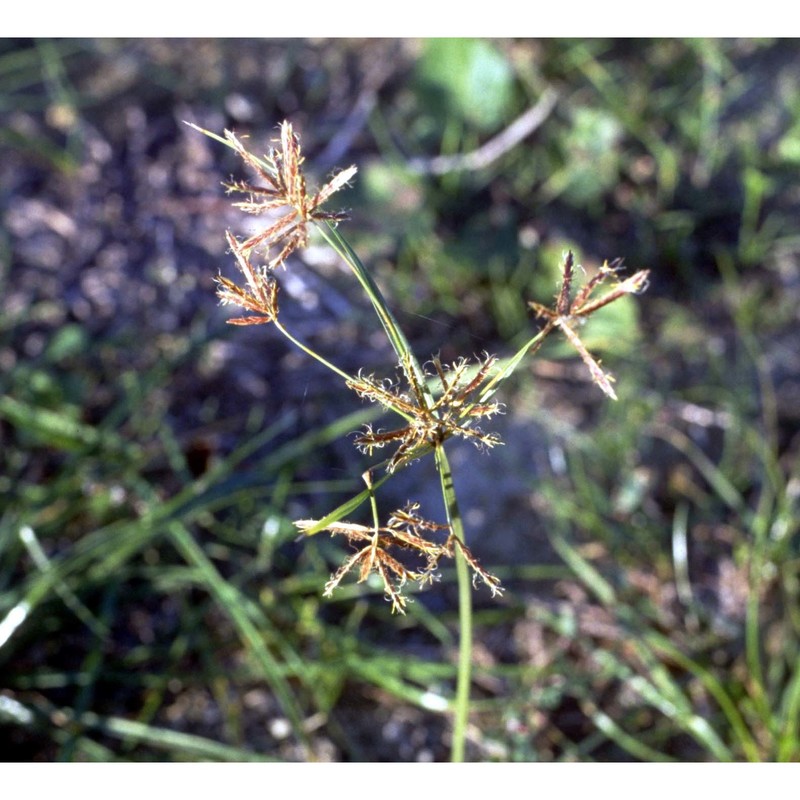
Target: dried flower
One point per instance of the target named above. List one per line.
(404, 533)
(285, 188)
(566, 310)
(453, 413)
(260, 293)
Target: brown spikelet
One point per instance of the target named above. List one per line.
(565, 310)
(454, 411)
(383, 550)
(285, 191)
(259, 294)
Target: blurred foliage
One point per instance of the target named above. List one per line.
(152, 601)
(468, 80)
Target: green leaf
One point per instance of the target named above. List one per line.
(55, 429)
(475, 77)
(69, 341)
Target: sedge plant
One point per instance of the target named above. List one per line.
(435, 402)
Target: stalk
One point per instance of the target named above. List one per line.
(406, 355)
(309, 352)
(464, 673)
(393, 331)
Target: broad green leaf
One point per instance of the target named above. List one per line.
(475, 77)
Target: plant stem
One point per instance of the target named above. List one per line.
(393, 331)
(464, 674)
(308, 351)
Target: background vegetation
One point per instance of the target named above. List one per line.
(154, 601)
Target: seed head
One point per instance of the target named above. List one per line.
(283, 189)
(566, 310)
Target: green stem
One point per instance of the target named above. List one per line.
(464, 674)
(528, 349)
(417, 376)
(308, 351)
(394, 333)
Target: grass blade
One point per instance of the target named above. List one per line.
(232, 603)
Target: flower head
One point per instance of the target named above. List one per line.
(284, 188)
(454, 412)
(259, 294)
(567, 310)
(381, 550)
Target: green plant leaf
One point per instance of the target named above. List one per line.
(475, 77)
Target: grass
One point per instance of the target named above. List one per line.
(112, 558)
(154, 603)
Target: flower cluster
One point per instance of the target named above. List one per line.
(259, 294)
(568, 310)
(430, 420)
(379, 548)
(284, 190)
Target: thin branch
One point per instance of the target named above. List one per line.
(492, 150)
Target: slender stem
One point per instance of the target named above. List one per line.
(417, 377)
(367, 476)
(464, 673)
(528, 349)
(347, 508)
(338, 242)
(396, 337)
(308, 351)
